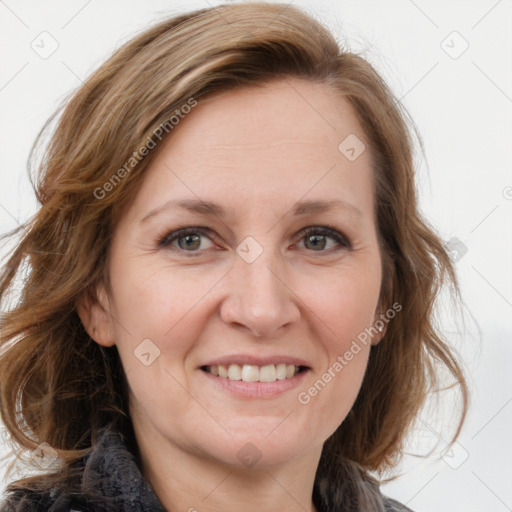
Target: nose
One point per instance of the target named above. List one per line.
(259, 299)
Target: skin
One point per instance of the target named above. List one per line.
(255, 151)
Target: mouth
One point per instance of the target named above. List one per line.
(246, 376)
(253, 373)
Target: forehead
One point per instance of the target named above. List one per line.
(275, 145)
(265, 120)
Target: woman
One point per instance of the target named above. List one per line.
(230, 289)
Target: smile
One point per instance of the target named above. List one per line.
(254, 373)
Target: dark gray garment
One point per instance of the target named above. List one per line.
(113, 474)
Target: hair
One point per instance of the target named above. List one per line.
(61, 387)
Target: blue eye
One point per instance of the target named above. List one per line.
(190, 240)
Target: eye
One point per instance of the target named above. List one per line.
(187, 239)
(316, 238)
(191, 239)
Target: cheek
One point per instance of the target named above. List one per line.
(343, 302)
(344, 309)
(170, 308)
(157, 302)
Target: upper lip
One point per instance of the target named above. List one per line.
(242, 359)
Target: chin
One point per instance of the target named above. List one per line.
(259, 450)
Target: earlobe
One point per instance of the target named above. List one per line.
(381, 326)
(94, 312)
(378, 337)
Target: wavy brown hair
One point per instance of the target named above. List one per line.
(58, 385)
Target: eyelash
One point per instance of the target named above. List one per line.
(166, 240)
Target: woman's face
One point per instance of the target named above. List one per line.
(248, 290)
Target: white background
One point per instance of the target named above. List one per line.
(463, 109)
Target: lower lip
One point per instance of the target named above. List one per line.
(256, 389)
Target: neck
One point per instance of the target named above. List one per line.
(185, 481)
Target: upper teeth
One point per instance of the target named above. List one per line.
(252, 373)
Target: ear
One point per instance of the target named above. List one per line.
(94, 312)
(382, 318)
(380, 323)
(378, 337)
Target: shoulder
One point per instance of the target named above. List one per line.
(391, 505)
(107, 480)
(26, 500)
(84, 489)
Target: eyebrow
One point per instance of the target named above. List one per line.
(209, 208)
